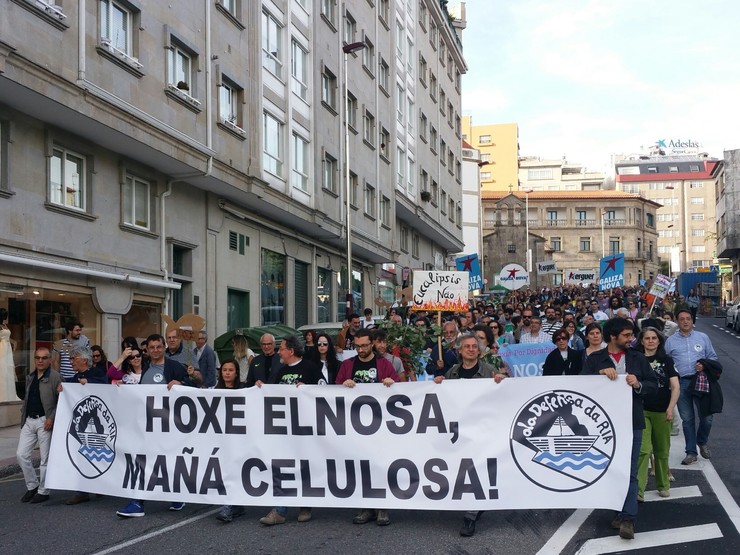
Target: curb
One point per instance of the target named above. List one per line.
(8, 467)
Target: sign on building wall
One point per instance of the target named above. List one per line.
(440, 290)
(471, 264)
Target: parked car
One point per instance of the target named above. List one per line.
(732, 315)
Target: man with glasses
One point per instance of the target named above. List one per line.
(161, 371)
(535, 334)
(439, 365)
(37, 421)
(364, 368)
(616, 360)
(526, 324)
(264, 365)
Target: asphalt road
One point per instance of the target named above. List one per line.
(701, 516)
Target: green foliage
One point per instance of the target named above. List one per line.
(409, 342)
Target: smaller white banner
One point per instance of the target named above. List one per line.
(438, 290)
(585, 276)
(547, 267)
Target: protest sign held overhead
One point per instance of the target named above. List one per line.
(471, 264)
(547, 267)
(661, 286)
(439, 290)
(513, 277)
(611, 272)
(580, 276)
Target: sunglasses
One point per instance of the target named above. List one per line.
(323, 343)
(136, 356)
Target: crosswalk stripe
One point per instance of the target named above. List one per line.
(676, 493)
(644, 540)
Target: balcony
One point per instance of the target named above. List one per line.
(614, 222)
(552, 222)
(585, 223)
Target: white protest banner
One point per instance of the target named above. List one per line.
(440, 290)
(547, 267)
(547, 442)
(661, 285)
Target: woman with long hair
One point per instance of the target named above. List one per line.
(659, 411)
(563, 360)
(228, 378)
(243, 355)
(574, 341)
(132, 367)
(309, 340)
(326, 358)
(594, 340)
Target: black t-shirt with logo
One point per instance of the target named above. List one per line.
(663, 370)
(304, 371)
(365, 372)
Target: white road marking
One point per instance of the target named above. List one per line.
(159, 532)
(565, 533)
(644, 540)
(676, 493)
(723, 495)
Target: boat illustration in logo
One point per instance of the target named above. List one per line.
(91, 437)
(562, 440)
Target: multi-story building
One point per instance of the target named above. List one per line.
(728, 219)
(471, 203)
(536, 174)
(498, 145)
(577, 229)
(686, 187)
(168, 158)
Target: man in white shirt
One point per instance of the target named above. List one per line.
(535, 334)
(596, 312)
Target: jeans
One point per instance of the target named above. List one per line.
(33, 434)
(629, 510)
(688, 408)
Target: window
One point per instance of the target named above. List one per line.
(136, 202)
(435, 192)
(443, 203)
(232, 8)
(368, 128)
(272, 50)
(273, 288)
(423, 126)
(400, 168)
(368, 56)
(698, 248)
(385, 211)
(511, 248)
(329, 89)
(433, 34)
(450, 160)
(299, 70)
(442, 101)
(422, 70)
(697, 217)
(4, 165)
(580, 216)
(694, 168)
(299, 175)
(180, 69)
(584, 244)
(411, 176)
(410, 57)
(697, 233)
(697, 200)
(350, 28)
(539, 173)
(116, 26)
(614, 245)
(423, 13)
(352, 111)
(410, 120)
(555, 244)
(424, 181)
(432, 87)
(673, 169)
(415, 244)
(652, 169)
(354, 184)
(238, 242)
(485, 176)
(230, 100)
(329, 173)
(329, 11)
(451, 210)
(385, 139)
(384, 11)
(665, 217)
(370, 200)
(404, 232)
(384, 76)
(485, 157)
(650, 220)
(400, 103)
(272, 158)
(433, 139)
(67, 179)
(696, 185)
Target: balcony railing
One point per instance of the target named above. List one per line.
(614, 221)
(559, 222)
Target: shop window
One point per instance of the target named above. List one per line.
(272, 288)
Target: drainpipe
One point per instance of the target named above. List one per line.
(81, 61)
(162, 223)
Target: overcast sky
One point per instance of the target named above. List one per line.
(587, 78)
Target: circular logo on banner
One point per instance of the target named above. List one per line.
(562, 440)
(513, 276)
(91, 437)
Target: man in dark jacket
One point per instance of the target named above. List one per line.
(264, 366)
(615, 360)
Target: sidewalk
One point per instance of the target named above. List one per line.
(8, 446)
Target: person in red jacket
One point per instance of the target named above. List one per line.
(366, 367)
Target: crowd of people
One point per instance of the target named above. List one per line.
(650, 344)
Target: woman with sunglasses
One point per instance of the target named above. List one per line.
(499, 337)
(563, 361)
(132, 367)
(325, 357)
(634, 312)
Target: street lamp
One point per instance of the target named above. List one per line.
(348, 49)
(526, 227)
